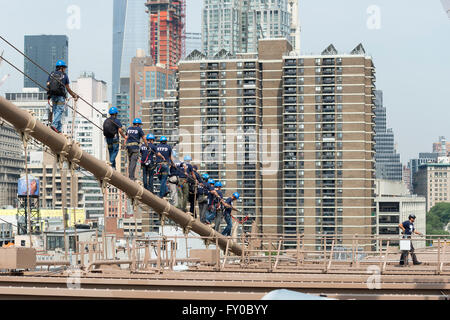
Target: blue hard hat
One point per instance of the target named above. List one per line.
(113, 110)
(236, 195)
(137, 121)
(211, 181)
(150, 137)
(61, 63)
(163, 138)
(218, 184)
(205, 176)
(187, 158)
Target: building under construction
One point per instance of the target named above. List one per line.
(167, 31)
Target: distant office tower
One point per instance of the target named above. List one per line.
(292, 134)
(130, 32)
(167, 31)
(432, 181)
(89, 136)
(424, 158)
(12, 164)
(45, 50)
(236, 26)
(407, 178)
(147, 81)
(442, 147)
(387, 160)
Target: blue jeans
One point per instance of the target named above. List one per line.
(113, 148)
(58, 110)
(210, 215)
(163, 175)
(147, 177)
(227, 230)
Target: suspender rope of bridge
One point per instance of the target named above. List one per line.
(59, 144)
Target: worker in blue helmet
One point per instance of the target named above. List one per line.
(112, 127)
(163, 164)
(202, 196)
(133, 139)
(57, 88)
(227, 213)
(187, 181)
(148, 161)
(215, 206)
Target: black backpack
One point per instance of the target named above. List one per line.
(56, 86)
(110, 128)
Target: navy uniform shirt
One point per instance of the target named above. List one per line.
(229, 201)
(409, 227)
(165, 150)
(134, 135)
(65, 80)
(118, 124)
(211, 196)
(148, 154)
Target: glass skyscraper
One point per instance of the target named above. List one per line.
(236, 26)
(387, 160)
(130, 32)
(45, 50)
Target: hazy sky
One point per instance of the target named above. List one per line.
(409, 41)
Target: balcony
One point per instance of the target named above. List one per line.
(290, 109)
(290, 99)
(290, 81)
(290, 72)
(213, 102)
(213, 75)
(290, 119)
(328, 80)
(249, 102)
(249, 92)
(328, 61)
(212, 84)
(213, 93)
(328, 90)
(249, 74)
(328, 127)
(250, 65)
(213, 66)
(328, 99)
(290, 62)
(327, 71)
(249, 110)
(328, 118)
(290, 90)
(328, 108)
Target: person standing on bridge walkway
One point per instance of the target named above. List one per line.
(407, 231)
(163, 170)
(111, 129)
(57, 88)
(134, 136)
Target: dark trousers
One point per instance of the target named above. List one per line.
(147, 177)
(404, 256)
(133, 156)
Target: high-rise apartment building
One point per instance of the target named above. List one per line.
(432, 181)
(147, 81)
(292, 134)
(387, 160)
(236, 26)
(45, 50)
(12, 164)
(167, 30)
(130, 33)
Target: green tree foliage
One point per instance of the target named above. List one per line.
(437, 218)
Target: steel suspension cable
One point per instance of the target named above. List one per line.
(40, 67)
(16, 68)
